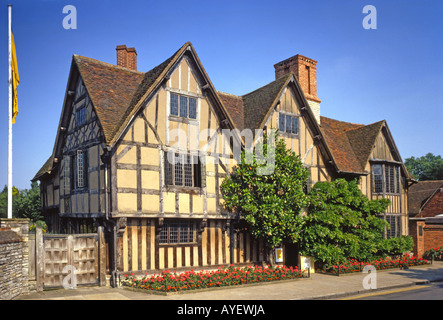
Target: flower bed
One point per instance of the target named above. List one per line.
(435, 254)
(357, 266)
(189, 280)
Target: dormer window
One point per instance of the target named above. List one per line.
(183, 106)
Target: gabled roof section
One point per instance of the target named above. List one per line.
(251, 110)
(258, 103)
(110, 88)
(155, 77)
(148, 82)
(362, 141)
(420, 193)
(351, 144)
(235, 107)
(336, 136)
(117, 93)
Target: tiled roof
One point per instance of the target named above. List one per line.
(335, 133)
(258, 103)
(250, 110)
(350, 143)
(234, 106)
(362, 141)
(110, 88)
(420, 192)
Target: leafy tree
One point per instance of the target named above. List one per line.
(342, 223)
(428, 167)
(27, 204)
(270, 204)
(4, 201)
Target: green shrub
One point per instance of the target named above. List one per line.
(342, 223)
(395, 247)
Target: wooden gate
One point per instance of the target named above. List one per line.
(61, 257)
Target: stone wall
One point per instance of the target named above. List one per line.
(14, 258)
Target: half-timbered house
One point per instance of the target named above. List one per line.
(141, 154)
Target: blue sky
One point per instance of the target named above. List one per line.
(394, 72)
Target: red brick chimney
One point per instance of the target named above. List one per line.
(126, 57)
(305, 69)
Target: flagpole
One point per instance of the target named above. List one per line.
(10, 115)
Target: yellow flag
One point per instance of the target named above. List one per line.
(15, 80)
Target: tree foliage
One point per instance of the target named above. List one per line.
(427, 167)
(4, 201)
(342, 224)
(27, 204)
(270, 204)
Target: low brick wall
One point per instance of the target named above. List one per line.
(14, 261)
(433, 233)
(427, 233)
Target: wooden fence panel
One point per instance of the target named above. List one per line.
(56, 258)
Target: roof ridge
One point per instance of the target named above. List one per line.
(284, 77)
(352, 123)
(107, 64)
(229, 94)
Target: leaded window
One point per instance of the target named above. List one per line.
(386, 178)
(67, 174)
(394, 229)
(177, 232)
(377, 175)
(192, 108)
(80, 116)
(182, 170)
(287, 123)
(183, 106)
(80, 169)
(174, 104)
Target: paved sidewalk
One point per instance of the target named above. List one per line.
(320, 286)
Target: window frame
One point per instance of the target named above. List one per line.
(390, 177)
(67, 175)
(395, 225)
(189, 171)
(80, 172)
(283, 122)
(180, 99)
(174, 232)
(81, 116)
